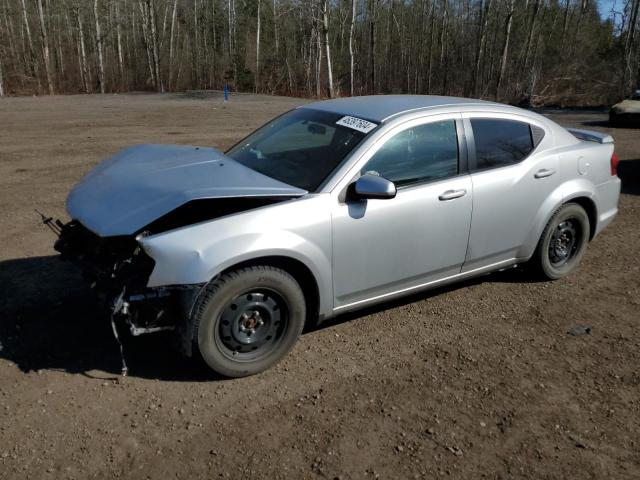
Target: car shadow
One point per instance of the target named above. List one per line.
(51, 321)
(629, 173)
(518, 274)
(608, 124)
(598, 123)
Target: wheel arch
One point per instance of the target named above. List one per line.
(299, 271)
(581, 193)
(592, 211)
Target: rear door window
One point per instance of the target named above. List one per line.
(501, 142)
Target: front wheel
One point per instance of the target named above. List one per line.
(248, 319)
(563, 242)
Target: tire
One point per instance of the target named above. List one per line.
(563, 242)
(613, 120)
(247, 320)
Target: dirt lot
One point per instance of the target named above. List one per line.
(480, 380)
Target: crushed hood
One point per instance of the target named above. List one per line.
(133, 188)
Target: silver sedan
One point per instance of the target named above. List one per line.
(328, 208)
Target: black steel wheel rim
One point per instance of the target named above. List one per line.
(564, 242)
(252, 324)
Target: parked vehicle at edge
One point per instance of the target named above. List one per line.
(332, 207)
(627, 112)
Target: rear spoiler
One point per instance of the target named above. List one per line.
(590, 135)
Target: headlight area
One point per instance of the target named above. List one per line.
(118, 269)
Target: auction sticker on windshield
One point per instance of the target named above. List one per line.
(357, 124)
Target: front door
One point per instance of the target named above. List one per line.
(382, 247)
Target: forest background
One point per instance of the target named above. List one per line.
(535, 52)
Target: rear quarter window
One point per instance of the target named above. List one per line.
(501, 142)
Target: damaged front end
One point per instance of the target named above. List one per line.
(117, 269)
(144, 191)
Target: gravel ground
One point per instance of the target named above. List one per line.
(479, 380)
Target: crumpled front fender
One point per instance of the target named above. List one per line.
(196, 254)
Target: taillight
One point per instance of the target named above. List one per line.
(615, 160)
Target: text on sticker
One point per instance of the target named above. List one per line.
(357, 124)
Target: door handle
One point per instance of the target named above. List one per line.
(545, 172)
(451, 194)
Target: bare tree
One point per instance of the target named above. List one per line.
(257, 82)
(33, 64)
(154, 44)
(351, 51)
(99, 47)
(325, 32)
(481, 45)
(634, 9)
(171, 41)
(1, 82)
(505, 47)
(84, 73)
(275, 27)
(532, 26)
(119, 39)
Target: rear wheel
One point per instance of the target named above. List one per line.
(248, 320)
(563, 242)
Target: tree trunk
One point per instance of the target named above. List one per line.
(565, 25)
(33, 63)
(477, 81)
(99, 47)
(83, 53)
(527, 47)
(443, 38)
(275, 27)
(351, 52)
(196, 46)
(120, 54)
(325, 31)
(229, 28)
(171, 36)
(628, 47)
(154, 45)
(134, 36)
(372, 48)
(146, 39)
(318, 64)
(60, 57)
(1, 80)
(162, 36)
(215, 43)
(505, 48)
(232, 39)
(257, 82)
(10, 35)
(45, 48)
(431, 49)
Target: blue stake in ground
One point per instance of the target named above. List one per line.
(226, 92)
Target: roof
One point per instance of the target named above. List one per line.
(378, 108)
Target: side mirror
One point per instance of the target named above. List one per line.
(373, 186)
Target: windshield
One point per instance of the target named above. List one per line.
(300, 148)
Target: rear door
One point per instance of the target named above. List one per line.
(513, 173)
